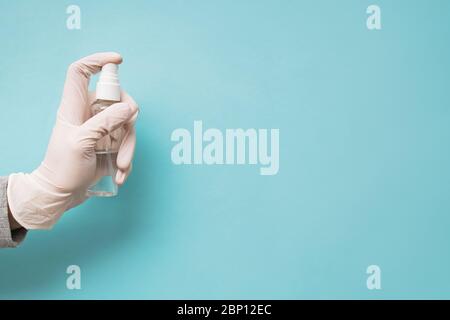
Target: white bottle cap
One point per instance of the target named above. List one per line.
(108, 85)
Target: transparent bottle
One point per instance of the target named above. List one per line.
(107, 93)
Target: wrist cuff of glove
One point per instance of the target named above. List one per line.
(34, 202)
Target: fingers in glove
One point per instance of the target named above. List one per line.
(108, 120)
(74, 106)
(126, 150)
(122, 175)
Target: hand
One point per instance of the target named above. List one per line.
(37, 200)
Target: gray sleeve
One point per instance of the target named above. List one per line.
(8, 239)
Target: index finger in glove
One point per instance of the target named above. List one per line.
(74, 107)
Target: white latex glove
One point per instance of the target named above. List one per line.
(38, 199)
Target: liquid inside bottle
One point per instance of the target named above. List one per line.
(106, 151)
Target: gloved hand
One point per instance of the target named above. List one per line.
(38, 199)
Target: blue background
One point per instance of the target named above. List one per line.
(364, 149)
